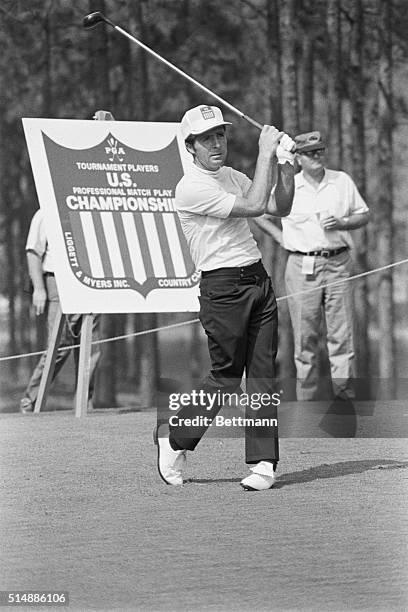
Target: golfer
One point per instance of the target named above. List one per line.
(237, 304)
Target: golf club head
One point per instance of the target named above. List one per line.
(93, 19)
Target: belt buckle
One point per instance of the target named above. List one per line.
(325, 253)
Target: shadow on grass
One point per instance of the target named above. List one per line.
(335, 470)
(326, 470)
(211, 480)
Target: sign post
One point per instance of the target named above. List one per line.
(84, 367)
(49, 364)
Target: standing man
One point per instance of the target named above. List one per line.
(326, 206)
(237, 304)
(46, 299)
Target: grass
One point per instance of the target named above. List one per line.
(84, 510)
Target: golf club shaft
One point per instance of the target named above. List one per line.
(186, 76)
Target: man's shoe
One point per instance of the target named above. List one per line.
(262, 477)
(170, 462)
(26, 405)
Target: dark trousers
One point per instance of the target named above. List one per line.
(239, 314)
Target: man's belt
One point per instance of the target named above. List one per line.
(323, 252)
(237, 272)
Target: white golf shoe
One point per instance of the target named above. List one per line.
(170, 462)
(262, 477)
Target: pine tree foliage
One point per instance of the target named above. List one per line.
(335, 65)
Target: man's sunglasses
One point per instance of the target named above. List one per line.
(318, 152)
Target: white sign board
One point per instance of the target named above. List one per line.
(107, 190)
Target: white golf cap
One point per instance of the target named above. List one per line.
(201, 119)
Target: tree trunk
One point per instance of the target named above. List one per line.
(195, 353)
(7, 215)
(385, 198)
(47, 83)
(143, 90)
(358, 113)
(274, 66)
(288, 27)
(21, 274)
(286, 370)
(307, 121)
(11, 284)
(334, 129)
(149, 362)
(105, 391)
(47, 111)
(98, 73)
(105, 388)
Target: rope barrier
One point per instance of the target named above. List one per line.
(344, 280)
(182, 323)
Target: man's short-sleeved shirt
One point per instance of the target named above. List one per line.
(37, 241)
(336, 195)
(204, 200)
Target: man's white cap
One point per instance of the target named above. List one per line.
(201, 119)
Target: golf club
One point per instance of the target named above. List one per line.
(93, 19)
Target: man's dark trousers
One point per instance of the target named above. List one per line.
(239, 314)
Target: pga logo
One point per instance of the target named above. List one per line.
(114, 150)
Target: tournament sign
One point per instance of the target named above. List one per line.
(107, 190)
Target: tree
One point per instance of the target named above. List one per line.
(98, 70)
(290, 101)
(149, 359)
(290, 113)
(261, 55)
(358, 94)
(334, 129)
(385, 193)
(274, 62)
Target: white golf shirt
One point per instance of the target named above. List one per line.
(336, 195)
(37, 241)
(204, 200)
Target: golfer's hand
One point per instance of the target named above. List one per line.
(286, 143)
(39, 300)
(269, 140)
(284, 151)
(332, 223)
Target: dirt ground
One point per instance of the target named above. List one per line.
(83, 510)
